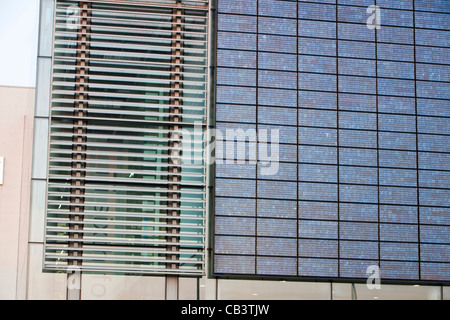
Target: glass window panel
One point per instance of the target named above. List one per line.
(276, 266)
(318, 210)
(398, 232)
(234, 264)
(433, 125)
(316, 29)
(433, 55)
(355, 268)
(399, 141)
(235, 188)
(398, 214)
(357, 102)
(239, 95)
(277, 79)
(275, 43)
(434, 216)
(234, 245)
(277, 97)
(228, 22)
(284, 228)
(435, 234)
(432, 20)
(317, 229)
(398, 177)
(320, 118)
(317, 173)
(399, 18)
(277, 208)
(395, 35)
(45, 46)
(235, 113)
(274, 115)
(40, 148)
(396, 87)
(398, 195)
(434, 271)
(270, 189)
(318, 248)
(435, 197)
(326, 47)
(358, 212)
(437, 38)
(388, 122)
(350, 84)
(44, 75)
(237, 77)
(236, 170)
(238, 6)
(235, 226)
(358, 231)
(358, 175)
(390, 69)
(363, 157)
(435, 252)
(399, 251)
(317, 191)
(278, 26)
(310, 81)
(396, 105)
(318, 64)
(397, 159)
(356, 138)
(357, 120)
(434, 143)
(354, 49)
(434, 161)
(398, 52)
(286, 171)
(320, 100)
(357, 193)
(434, 179)
(312, 267)
(435, 90)
(317, 136)
(433, 72)
(233, 40)
(404, 4)
(357, 67)
(235, 206)
(316, 11)
(277, 246)
(399, 270)
(235, 58)
(277, 8)
(347, 31)
(358, 250)
(277, 61)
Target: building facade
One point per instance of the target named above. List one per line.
(238, 149)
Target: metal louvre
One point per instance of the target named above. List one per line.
(127, 172)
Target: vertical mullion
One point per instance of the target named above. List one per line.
(297, 146)
(257, 139)
(378, 136)
(174, 136)
(79, 138)
(417, 142)
(337, 142)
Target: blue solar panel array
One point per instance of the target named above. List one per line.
(363, 116)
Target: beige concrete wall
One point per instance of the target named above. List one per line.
(16, 139)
